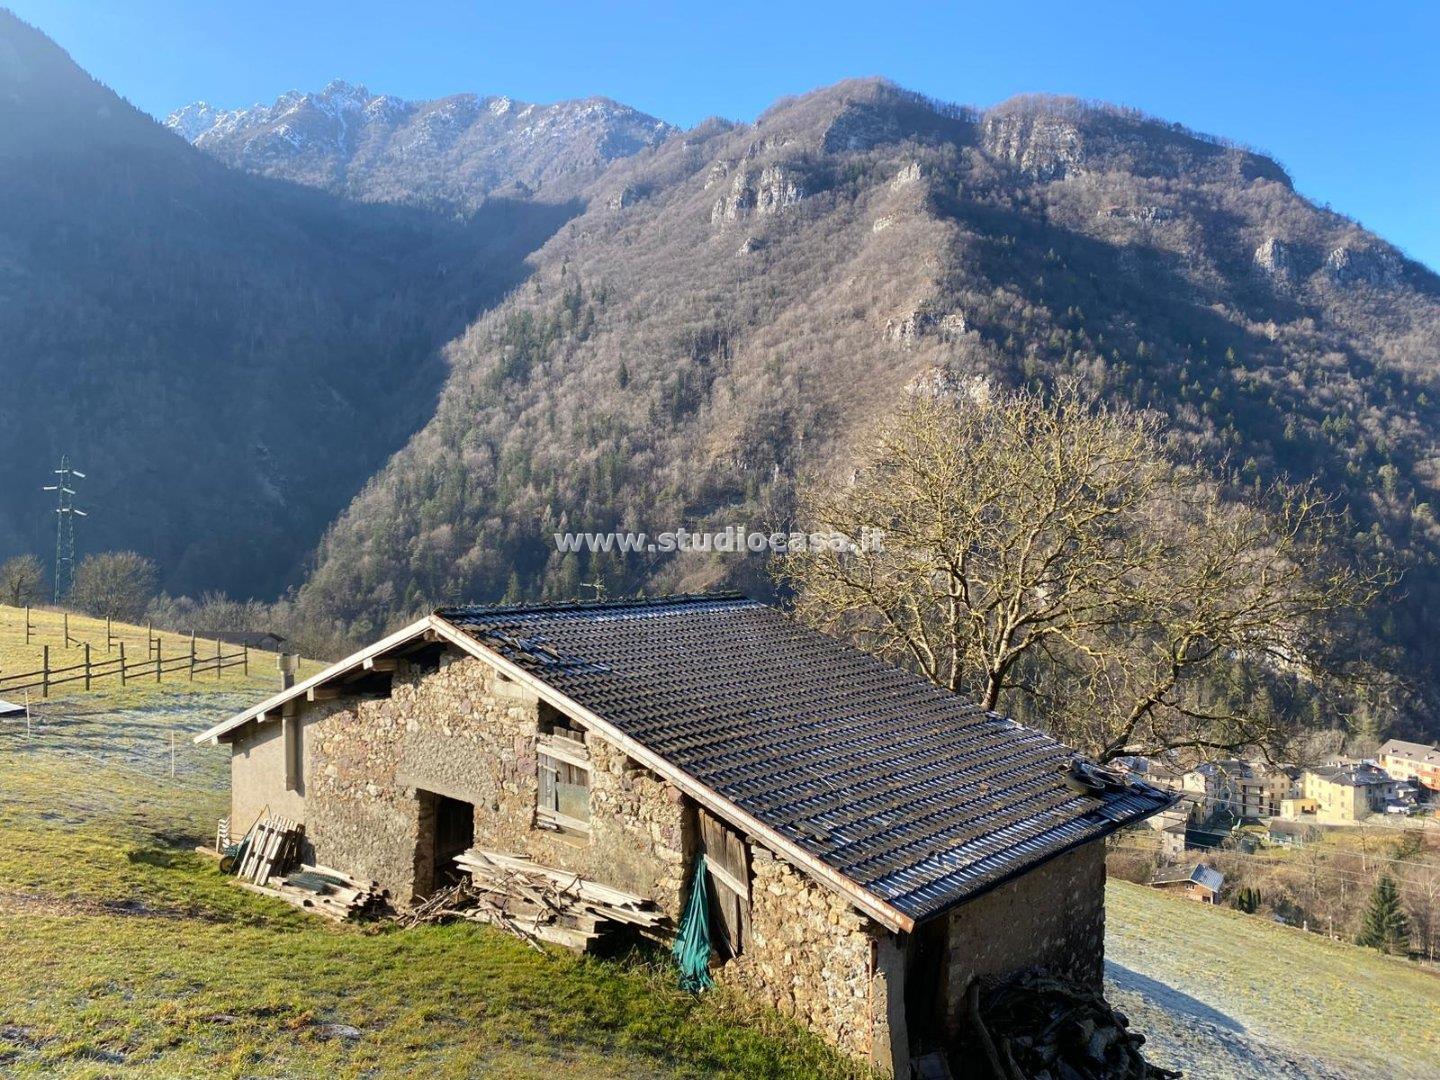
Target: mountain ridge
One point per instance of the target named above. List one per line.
(207, 345)
(449, 153)
(709, 319)
(736, 306)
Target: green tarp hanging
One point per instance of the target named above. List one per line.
(692, 944)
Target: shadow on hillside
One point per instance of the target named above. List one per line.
(1168, 997)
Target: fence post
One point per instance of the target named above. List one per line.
(87, 665)
(109, 637)
(192, 655)
(122, 663)
(217, 659)
(66, 617)
(45, 673)
(245, 660)
(157, 661)
(27, 624)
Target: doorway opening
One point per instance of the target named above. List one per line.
(926, 1014)
(447, 828)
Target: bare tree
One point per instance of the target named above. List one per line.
(114, 584)
(1043, 553)
(22, 580)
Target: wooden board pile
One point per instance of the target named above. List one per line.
(328, 892)
(538, 904)
(272, 847)
(1036, 1027)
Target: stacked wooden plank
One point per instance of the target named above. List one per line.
(538, 903)
(327, 892)
(272, 847)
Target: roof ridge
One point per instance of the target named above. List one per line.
(627, 603)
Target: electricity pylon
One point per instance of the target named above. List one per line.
(65, 513)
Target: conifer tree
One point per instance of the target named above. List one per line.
(1385, 928)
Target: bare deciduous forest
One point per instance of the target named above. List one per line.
(704, 325)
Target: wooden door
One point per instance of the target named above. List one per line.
(727, 858)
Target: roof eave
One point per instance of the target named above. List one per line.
(302, 688)
(1064, 849)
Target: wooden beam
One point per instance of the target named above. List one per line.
(322, 693)
(381, 663)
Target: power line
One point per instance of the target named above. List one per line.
(65, 514)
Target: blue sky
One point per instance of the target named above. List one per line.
(1346, 96)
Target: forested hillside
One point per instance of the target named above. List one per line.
(712, 315)
(228, 358)
(730, 311)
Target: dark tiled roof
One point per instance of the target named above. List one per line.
(1199, 874)
(915, 795)
(1352, 775)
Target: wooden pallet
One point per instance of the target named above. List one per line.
(273, 847)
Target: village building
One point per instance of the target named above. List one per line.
(1343, 794)
(1242, 790)
(1412, 761)
(1198, 882)
(1171, 825)
(874, 843)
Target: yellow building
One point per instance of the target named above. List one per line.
(1343, 794)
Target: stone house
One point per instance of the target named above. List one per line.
(873, 842)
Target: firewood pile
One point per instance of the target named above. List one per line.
(1035, 1027)
(327, 892)
(537, 903)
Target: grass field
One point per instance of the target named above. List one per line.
(1358, 1011)
(48, 628)
(123, 954)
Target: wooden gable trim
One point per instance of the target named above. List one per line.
(890, 917)
(307, 688)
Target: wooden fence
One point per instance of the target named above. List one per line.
(154, 667)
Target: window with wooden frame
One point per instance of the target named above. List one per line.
(563, 768)
(727, 858)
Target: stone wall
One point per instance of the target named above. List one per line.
(809, 955)
(466, 732)
(1052, 917)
